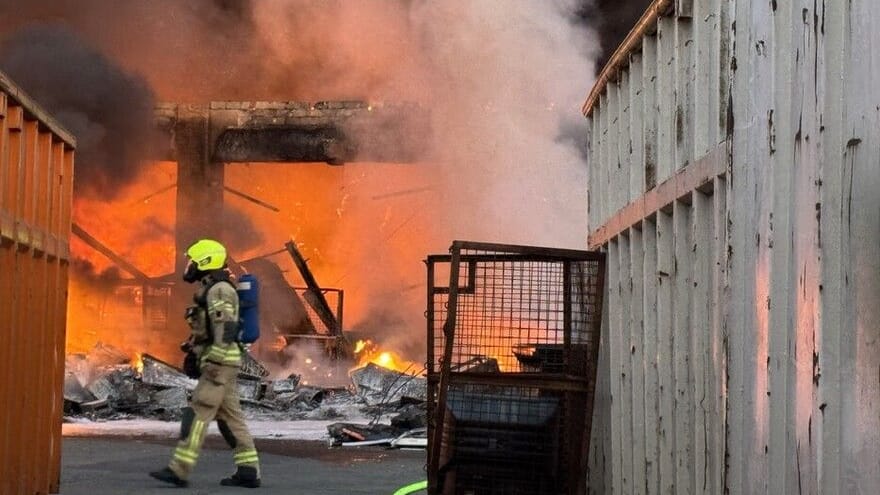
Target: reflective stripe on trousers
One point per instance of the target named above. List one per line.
(188, 454)
(246, 457)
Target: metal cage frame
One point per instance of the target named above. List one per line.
(513, 422)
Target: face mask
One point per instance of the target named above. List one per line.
(192, 273)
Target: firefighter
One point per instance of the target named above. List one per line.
(214, 357)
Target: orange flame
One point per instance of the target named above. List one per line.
(138, 226)
(137, 363)
(366, 351)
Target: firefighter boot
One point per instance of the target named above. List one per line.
(245, 476)
(169, 476)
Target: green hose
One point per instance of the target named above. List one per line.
(406, 490)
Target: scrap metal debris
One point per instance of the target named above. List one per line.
(381, 386)
(355, 435)
(161, 374)
(103, 384)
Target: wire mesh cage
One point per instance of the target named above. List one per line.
(513, 336)
(326, 324)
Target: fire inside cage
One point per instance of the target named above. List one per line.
(513, 340)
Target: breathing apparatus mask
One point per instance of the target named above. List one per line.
(192, 273)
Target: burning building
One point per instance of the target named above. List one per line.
(733, 185)
(364, 226)
(267, 169)
(203, 141)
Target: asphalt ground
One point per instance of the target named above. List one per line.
(119, 466)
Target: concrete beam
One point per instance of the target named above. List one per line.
(202, 138)
(332, 131)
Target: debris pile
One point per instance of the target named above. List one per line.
(377, 385)
(105, 384)
(382, 389)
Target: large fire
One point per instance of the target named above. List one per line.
(357, 234)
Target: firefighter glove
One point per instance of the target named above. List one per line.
(191, 365)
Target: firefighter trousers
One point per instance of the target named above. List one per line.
(215, 397)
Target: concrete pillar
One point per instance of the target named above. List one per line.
(199, 181)
(199, 197)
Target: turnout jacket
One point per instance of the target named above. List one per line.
(214, 321)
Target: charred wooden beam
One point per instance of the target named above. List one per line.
(153, 194)
(273, 253)
(251, 198)
(106, 251)
(314, 295)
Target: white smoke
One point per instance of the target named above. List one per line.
(505, 77)
(503, 81)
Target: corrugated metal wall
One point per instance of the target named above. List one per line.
(36, 180)
(735, 184)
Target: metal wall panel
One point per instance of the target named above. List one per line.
(36, 185)
(734, 183)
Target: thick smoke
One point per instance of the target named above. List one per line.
(612, 20)
(109, 111)
(240, 231)
(507, 79)
(503, 83)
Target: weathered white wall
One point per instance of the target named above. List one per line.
(735, 184)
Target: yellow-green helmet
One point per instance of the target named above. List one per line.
(207, 254)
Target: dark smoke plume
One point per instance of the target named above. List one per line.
(103, 279)
(572, 132)
(150, 228)
(109, 111)
(612, 20)
(240, 234)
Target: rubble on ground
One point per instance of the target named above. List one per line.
(360, 435)
(103, 385)
(379, 386)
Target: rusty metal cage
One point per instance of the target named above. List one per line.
(513, 340)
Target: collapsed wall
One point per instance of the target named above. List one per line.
(733, 184)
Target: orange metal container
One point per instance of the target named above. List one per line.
(36, 186)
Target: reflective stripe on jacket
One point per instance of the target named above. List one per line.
(219, 333)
